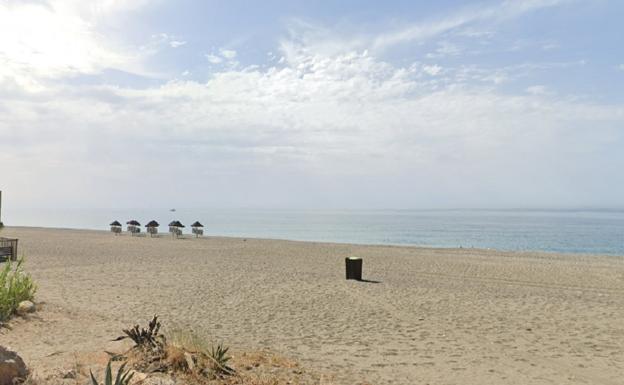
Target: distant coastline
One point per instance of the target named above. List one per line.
(596, 232)
(187, 234)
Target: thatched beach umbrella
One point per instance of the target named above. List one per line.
(197, 229)
(115, 227)
(133, 226)
(152, 228)
(176, 228)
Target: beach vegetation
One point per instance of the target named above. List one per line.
(15, 286)
(206, 357)
(188, 340)
(148, 339)
(219, 357)
(180, 353)
(123, 376)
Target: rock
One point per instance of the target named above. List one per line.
(12, 367)
(25, 307)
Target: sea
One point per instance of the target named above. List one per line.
(565, 231)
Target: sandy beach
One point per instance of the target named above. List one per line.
(426, 316)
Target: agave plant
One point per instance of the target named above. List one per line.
(148, 339)
(220, 358)
(123, 376)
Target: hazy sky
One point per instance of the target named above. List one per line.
(312, 104)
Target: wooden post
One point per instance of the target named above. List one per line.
(354, 268)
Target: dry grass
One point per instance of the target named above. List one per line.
(176, 360)
(190, 341)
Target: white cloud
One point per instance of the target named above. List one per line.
(537, 90)
(50, 40)
(214, 59)
(350, 116)
(621, 67)
(319, 40)
(228, 53)
(500, 75)
(158, 42)
(329, 114)
(107, 7)
(176, 43)
(475, 33)
(498, 13)
(224, 55)
(445, 48)
(432, 70)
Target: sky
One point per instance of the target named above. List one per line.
(312, 104)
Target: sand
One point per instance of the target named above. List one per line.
(435, 316)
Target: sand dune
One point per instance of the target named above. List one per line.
(437, 316)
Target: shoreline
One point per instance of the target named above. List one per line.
(532, 253)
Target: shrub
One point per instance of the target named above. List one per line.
(149, 339)
(15, 286)
(123, 376)
(209, 359)
(189, 341)
(182, 352)
(149, 348)
(219, 357)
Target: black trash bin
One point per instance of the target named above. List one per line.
(354, 268)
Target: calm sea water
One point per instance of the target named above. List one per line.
(595, 232)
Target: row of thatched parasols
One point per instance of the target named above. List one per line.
(175, 228)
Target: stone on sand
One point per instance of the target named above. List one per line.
(12, 367)
(25, 307)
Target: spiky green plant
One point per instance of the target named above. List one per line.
(123, 376)
(148, 338)
(219, 357)
(15, 286)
